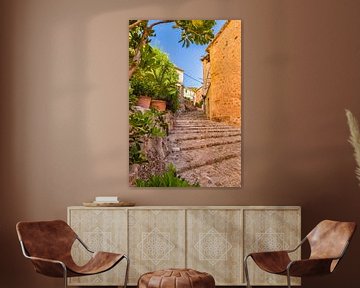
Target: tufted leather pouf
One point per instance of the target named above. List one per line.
(176, 278)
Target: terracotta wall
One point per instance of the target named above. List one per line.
(225, 70)
(63, 113)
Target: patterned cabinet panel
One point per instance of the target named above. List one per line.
(209, 239)
(214, 244)
(101, 230)
(156, 240)
(269, 230)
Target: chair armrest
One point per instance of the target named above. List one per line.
(298, 246)
(309, 267)
(280, 251)
(46, 260)
(48, 267)
(83, 244)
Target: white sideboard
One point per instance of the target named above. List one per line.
(212, 239)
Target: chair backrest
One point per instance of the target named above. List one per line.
(329, 239)
(46, 239)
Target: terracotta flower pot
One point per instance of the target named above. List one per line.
(159, 105)
(144, 101)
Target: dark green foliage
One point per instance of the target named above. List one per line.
(141, 125)
(173, 102)
(167, 179)
(132, 97)
(140, 85)
(136, 155)
(135, 35)
(157, 77)
(195, 31)
(162, 75)
(199, 104)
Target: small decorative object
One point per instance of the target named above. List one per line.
(354, 140)
(108, 201)
(109, 204)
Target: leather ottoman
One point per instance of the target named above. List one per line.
(176, 278)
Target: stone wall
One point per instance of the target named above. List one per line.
(224, 95)
(156, 149)
(206, 82)
(198, 95)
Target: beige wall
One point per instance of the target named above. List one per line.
(63, 113)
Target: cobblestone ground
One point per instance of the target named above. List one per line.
(204, 151)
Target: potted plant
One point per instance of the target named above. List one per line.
(142, 89)
(157, 79)
(165, 79)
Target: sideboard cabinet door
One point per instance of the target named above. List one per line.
(156, 240)
(101, 230)
(270, 230)
(214, 244)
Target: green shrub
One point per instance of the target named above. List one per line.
(168, 179)
(156, 77)
(140, 85)
(141, 125)
(132, 98)
(199, 104)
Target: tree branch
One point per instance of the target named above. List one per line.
(137, 57)
(160, 22)
(131, 26)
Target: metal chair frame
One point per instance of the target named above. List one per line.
(288, 276)
(23, 249)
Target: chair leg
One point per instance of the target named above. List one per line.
(288, 278)
(127, 271)
(65, 276)
(246, 272)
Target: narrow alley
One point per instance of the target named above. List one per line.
(205, 151)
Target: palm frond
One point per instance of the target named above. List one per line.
(354, 140)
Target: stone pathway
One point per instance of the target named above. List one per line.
(204, 151)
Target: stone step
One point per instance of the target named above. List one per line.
(203, 130)
(191, 116)
(188, 122)
(191, 159)
(203, 143)
(226, 173)
(195, 136)
(201, 125)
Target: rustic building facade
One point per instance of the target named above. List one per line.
(180, 87)
(222, 75)
(198, 95)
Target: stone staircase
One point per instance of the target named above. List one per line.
(204, 151)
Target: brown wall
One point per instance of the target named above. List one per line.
(63, 113)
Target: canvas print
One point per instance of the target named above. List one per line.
(185, 103)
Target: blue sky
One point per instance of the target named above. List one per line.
(187, 59)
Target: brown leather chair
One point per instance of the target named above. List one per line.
(48, 245)
(328, 242)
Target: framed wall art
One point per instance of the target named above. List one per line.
(185, 103)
